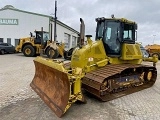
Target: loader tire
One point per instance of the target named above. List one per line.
(2, 52)
(68, 54)
(29, 51)
(51, 53)
(156, 54)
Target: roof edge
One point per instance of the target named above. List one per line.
(50, 17)
(15, 9)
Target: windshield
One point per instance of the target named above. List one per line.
(111, 39)
(45, 36)
(129, 32)
(100, 29)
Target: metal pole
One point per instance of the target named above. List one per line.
(51, 31)
(153, 38)
(41, 50)
(55, 20)
(42, 36)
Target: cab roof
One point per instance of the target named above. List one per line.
(124, 20)
(40, 31)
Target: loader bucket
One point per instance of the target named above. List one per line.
(51, 83)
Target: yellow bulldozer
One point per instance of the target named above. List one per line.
(108, 68)
(34, 45)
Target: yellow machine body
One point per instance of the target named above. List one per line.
(104, 75)
(153, 50)
(30, 41)
(92, 56)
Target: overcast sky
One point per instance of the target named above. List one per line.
(145, 12)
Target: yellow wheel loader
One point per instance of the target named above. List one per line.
(32, 45)
(108, 68)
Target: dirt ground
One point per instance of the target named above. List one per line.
(19, 102)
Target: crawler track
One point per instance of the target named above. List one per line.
(113, 81)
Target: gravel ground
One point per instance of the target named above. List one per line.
(19, 102)
(16, 74)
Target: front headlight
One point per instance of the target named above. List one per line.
(146, 56)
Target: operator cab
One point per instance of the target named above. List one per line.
(114, 32)
(41, 36)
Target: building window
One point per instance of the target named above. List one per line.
(78, 41)
(9, 40)
(1, 39)
(74, 42)
(16, 42)
(67, 41)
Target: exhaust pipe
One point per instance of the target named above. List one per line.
(82, 33)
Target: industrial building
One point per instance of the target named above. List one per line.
(15, 24)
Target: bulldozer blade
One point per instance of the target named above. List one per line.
(52, 85)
